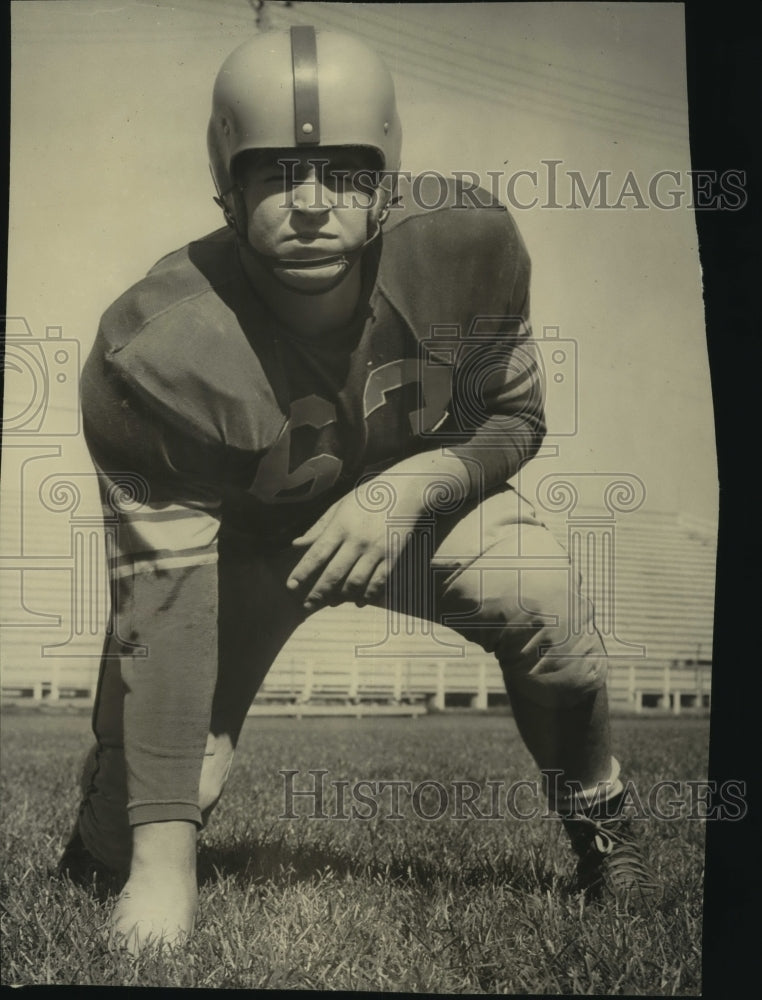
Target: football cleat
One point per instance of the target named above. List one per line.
(611, 864)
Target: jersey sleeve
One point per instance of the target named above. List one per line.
(498, 399)
(462, 283)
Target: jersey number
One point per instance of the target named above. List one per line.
(276, 482)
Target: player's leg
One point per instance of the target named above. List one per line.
(500, 579)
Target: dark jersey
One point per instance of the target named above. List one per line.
(226, 429)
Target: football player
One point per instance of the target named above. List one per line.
(322, 401)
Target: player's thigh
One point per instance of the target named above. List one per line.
(492, 563)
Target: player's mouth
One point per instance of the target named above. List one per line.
(310, 247)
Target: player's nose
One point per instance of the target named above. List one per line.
(310, 195)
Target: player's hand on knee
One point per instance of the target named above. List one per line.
(375, 587)
(343, 549)
(347, 557)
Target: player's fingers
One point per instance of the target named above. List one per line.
(316, 530)
(375, 591)
(305, 540)
(358, 578)
(328, 584)
(313, 560)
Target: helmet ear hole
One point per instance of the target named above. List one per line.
(233, 208)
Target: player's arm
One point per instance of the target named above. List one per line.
(162, 526)
(498, 403)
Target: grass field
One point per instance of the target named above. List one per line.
(434, 906)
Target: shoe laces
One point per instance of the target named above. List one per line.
(609, 853)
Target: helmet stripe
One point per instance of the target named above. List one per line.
(306, 104)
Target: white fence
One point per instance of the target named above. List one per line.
(650, 576)
(403, 687)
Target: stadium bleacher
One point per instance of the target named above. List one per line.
(362, 661)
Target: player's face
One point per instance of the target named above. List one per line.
(306, 205)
